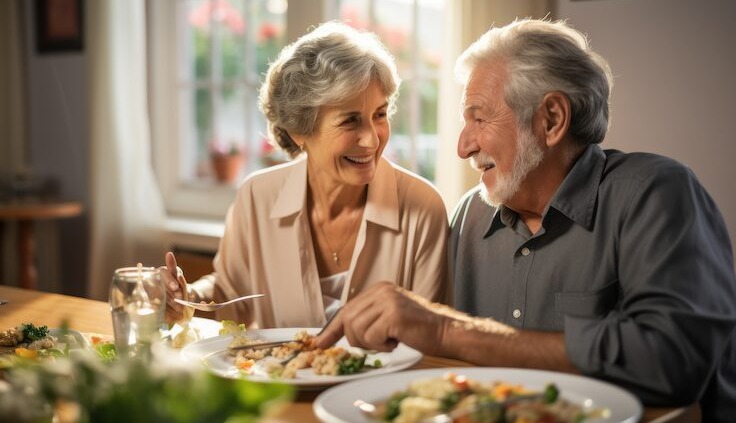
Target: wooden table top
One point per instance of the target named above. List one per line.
(84, 315)
(43, 308)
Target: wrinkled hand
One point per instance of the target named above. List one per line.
(381, 317)
(176, 287)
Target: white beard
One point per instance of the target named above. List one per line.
(528, 157)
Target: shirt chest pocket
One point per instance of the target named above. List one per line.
(596, 303)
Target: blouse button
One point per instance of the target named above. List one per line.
(517, 313)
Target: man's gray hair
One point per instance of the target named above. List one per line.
(327, 66)
(541, 57)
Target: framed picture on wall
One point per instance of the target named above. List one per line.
(59, 26)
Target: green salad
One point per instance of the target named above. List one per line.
(95, 384)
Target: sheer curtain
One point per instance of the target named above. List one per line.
(127, 212)
(465, 21)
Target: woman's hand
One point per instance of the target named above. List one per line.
(176, 287)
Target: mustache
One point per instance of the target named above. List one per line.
(481, 161)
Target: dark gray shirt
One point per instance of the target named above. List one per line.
(633, 262)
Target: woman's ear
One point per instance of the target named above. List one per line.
(298, 140)
(553, 117)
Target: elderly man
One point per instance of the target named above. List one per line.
(574, 258)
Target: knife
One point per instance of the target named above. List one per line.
(261, 345)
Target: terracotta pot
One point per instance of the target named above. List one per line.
(227, 166)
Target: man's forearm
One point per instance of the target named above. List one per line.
(489, 343)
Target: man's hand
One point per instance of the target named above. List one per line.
(384, 315)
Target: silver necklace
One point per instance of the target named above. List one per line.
(322, 219)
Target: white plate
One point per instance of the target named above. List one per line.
(335, 405)
(223, 363)
(73, 339)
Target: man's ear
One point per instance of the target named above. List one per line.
(553, 117)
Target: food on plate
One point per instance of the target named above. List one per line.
(104, 348)
(28, 341)
(232, 327)
(285, 360)
(468, 401)
(181, 332)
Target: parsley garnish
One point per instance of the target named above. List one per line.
(34, 333)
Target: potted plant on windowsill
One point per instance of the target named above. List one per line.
(227, 160)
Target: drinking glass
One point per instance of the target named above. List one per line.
(137, 304)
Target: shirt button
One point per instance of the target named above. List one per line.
(517, 313)
(352, 290)
(525, 251)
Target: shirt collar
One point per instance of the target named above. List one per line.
(382, 205)
(292, 197)
(575, 198)
(502, 217)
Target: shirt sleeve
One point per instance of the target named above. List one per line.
(231, 262)
(676, 310)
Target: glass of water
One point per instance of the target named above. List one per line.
(137, 304)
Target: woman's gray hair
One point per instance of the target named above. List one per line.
(542, 57)
(327, 66)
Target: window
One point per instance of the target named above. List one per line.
(226, 45)
(207, 61)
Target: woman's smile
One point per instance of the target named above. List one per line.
(359, 160)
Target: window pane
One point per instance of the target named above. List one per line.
(195, 109)
(198, 39)
(231, 41)
(267, 21)
(399, 147)
(230, 133)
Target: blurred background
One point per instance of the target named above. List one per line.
(144, 112)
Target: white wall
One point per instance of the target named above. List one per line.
(674, 63)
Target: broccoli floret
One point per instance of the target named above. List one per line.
(351, 365)
(551, 393)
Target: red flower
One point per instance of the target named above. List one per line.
(268, 31)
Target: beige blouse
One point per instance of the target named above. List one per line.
(267, 246)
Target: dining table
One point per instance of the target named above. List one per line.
(93, 317)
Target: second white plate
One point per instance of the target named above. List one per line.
(223, 364)
(335, 405)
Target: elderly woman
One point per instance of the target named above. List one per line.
(313, 233)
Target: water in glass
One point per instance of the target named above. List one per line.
(137, 304)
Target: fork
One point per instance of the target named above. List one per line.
(215, 306)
